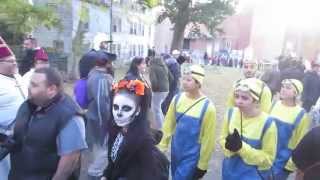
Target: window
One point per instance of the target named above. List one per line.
(116, 24)
(119, 50)
(86, 26)
(139, 29)
(131, 28)
(135, 28)
(142, 30)
(58, 45)
(133, 50)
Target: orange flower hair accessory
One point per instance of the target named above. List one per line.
(135, 86)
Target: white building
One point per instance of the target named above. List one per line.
(132, 26)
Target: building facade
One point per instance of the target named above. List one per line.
(131, 27)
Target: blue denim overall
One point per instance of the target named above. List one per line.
(185, 148)
(285, 131)
(234, 168)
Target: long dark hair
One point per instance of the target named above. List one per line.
(136, 61)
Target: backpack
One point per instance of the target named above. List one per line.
(80, 93)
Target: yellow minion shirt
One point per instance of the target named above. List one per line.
(288, 115)
(206, 137)
(252, 128)
(265, 100)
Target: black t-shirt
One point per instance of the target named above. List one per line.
(307, 154)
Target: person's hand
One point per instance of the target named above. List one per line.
(198, 174)
(7, 141)
(233, 141)
(103, 178)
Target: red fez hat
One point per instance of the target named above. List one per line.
(41, 55)
(5, 51)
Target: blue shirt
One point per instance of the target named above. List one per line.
(72, 137)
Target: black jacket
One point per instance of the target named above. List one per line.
(137, 157)
(311, 90)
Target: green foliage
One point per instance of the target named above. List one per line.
(210, 13)
(20, 17)
(149, 3)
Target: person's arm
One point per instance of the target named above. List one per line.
(169, 127)
(154, 78)
(298, 134)
(67, 164)
(264, 157)
(70, 142)
(224, 134)
(207, 137)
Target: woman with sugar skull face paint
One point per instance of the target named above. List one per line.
(132, 153)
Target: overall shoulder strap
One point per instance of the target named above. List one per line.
(176, 99)
(204, 110)
(182, 114)
(272, 106)
(299, 117)
(266, 126)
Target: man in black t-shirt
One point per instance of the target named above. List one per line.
(306, 156)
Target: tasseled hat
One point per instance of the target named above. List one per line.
(5, 50)
(41, 55)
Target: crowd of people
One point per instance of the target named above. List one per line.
(45, 133)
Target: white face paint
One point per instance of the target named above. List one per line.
(123, 109)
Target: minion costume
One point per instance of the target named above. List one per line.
(192, 132)
(265, 100)
(266, 95)
(257, 141)
(292, 124)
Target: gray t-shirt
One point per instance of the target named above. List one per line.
(72, 137)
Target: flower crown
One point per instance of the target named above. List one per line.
(135, 86)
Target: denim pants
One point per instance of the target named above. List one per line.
(157, 99)
(98, 160)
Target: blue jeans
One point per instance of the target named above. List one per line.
(157, 99)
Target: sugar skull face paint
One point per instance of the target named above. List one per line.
(124, 109)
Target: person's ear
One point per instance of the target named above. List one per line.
(52, 90)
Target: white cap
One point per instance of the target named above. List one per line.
(175, 52)
(98, 38)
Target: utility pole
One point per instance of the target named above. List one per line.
(111, 25)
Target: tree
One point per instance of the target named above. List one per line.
(18, 17)
(182, 12)
(149, 3)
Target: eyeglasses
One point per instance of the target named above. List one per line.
(246, 88)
